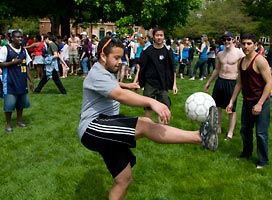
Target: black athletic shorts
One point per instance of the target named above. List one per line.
(222, 92)
(112, 137)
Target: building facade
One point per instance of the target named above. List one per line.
(98, 29)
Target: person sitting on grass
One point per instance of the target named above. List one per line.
(103, 129)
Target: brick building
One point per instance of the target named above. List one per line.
(98, 29)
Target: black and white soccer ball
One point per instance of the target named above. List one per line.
(197, 106)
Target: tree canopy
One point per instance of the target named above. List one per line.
(147, 13)
(213, 17)
(217, 17)
(260, 11)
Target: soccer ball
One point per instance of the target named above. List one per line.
(197, 106)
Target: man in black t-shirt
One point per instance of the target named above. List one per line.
(157, 73)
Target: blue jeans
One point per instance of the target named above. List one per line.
(201, 64)
(262, 122)
(12, 101)
(84, 64)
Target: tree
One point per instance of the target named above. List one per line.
(60, 12)
(260, 11)
(147, 13)
(217, 17)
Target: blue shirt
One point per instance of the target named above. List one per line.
(139, 50)
(185, 53)
(203, 54)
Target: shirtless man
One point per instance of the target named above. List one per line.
(226, 70)
(74, 44)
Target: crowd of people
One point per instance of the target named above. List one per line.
(77, 53)
(153, 64)
(72, 50)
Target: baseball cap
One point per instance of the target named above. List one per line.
(228, 34)
(204, 35)
(113, 34)
(83, 33)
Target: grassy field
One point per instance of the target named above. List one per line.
(46, 161)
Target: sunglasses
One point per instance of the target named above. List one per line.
(228, 39)
(114, 40)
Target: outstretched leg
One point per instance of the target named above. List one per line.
(207, 135)
(165, 134)
(121, 183)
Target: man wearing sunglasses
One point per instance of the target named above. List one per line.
(226, 73)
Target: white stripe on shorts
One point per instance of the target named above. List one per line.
(112, 129)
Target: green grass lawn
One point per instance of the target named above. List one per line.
(46, 161)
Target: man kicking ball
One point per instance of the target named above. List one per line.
(103, 129)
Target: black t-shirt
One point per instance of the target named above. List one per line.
(157, 66)
(85, 49)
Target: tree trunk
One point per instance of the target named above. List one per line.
(55, 24)
(65, 27)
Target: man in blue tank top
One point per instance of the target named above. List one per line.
(14, 60)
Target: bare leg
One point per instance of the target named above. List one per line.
(118, 76)
(72, 69)
(121, 183)
(148, 113)
(136, 74)
(159, 133)
(127, 72)
(76, 68)
(232, 122)
(123, 68)
(19, 115)
(165, 134)
(219, 119)
(39, 71)
(8, 119)
(64, 72)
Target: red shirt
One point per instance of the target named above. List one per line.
(252, 82)
(38, 50)
(29, 42)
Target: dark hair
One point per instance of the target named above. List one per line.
(168, 42)
(39, 38)
(45, 37)
(249, 36)
(16, 31)
(85, 42)
(108, 33)
(158, 28)
(115, 42)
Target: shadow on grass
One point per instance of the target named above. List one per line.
(92, 186)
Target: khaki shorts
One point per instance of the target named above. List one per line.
(155, 93)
